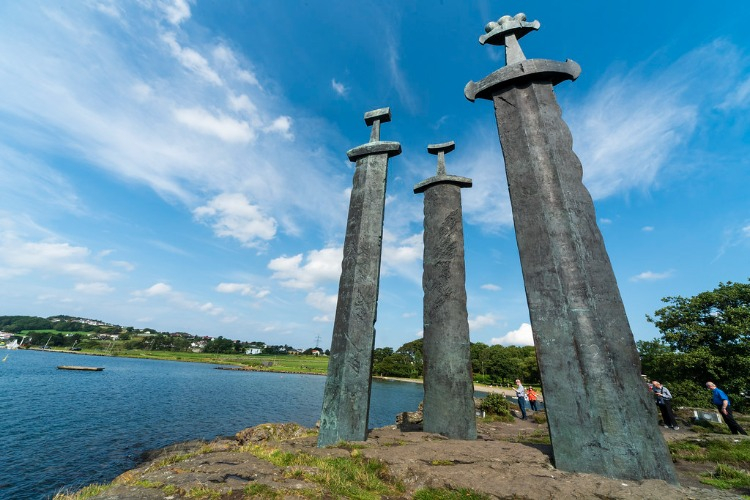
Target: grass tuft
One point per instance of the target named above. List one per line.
(348, 477)
(446, 494)
(727, 477)
(712, 450)
(84, 493)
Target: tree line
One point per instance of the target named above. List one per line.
(497, 365)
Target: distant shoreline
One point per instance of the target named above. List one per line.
(477, 387)
(234, 367)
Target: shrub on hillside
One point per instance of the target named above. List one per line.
(495, 404)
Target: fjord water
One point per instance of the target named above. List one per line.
(66, 429)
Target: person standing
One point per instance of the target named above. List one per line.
(531, 393)
(720, 399)
(521, 395)
(664, 402)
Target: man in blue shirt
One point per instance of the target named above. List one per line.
(720, 399)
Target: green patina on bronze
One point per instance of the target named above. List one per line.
(448, 384)
(346, 400)
(600, 416)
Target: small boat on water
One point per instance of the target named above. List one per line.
(81, 368)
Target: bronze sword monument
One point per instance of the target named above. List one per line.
(448, 384)
(346, 399)
(599, 414)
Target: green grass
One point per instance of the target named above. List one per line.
(347, 477)
(84, 493)
(713, 450)
(261, 491)
(446, 494)
(726, 477)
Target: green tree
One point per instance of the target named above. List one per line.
(415, 352)
(705, 337)
(395, 365)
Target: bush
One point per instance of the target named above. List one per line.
(690, 394)
(495, 404)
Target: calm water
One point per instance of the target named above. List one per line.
(65, 429)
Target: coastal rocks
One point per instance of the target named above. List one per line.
(507, 461)
(272, 432)
(411, 420)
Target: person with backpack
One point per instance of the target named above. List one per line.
(664, 402)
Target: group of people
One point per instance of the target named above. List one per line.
(718, 398)
(523, 396)
(663, 400)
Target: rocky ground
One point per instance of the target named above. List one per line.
(504, 462)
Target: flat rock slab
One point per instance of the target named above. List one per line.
(495, 465)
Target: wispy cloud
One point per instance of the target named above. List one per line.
(223, 127)
(176, 11)
(398, 78)
(491, 287)
(164, 292)
(630, 128)
(243, 289)
(652, 276)
(97, 288)
(339, 88)
(160, 120)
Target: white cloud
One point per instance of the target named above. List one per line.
(647, 229)
(176, 11)
(226, 58)
(482, 321)
(97, 288)
(158, 289)
(651, 276)
(521, 337)
(321, 266)
(339, 88)
(191, 60)
(164, 292)
(402, 256)
(128, 266)
(233, 216)
(603, 221)
(398, 78)
(211, 309)
(491, 287)
(282, 126)
(323, 302)
(738, 98)
(222, 127)
(19, 257)
(486, 204)
(242, 289)
(242, 103)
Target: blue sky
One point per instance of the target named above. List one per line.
(181, 165)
